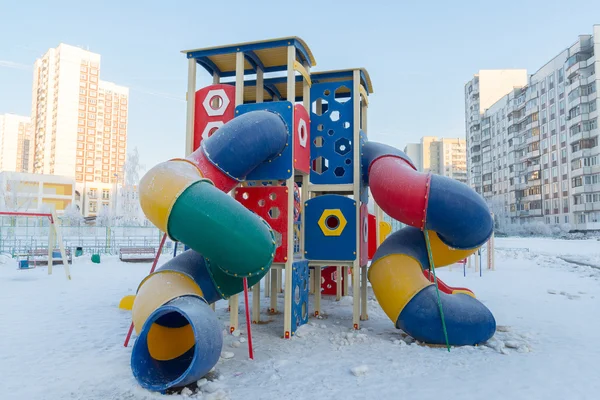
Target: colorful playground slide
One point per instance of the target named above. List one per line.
(458, 223)
(179, 338)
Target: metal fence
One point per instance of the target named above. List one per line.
(21, 234)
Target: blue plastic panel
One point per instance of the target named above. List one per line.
(329, 248)
(300, 294)
(331, 148)
(279, 167)
(364, 189)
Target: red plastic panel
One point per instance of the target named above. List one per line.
(301, 139)
(328, 281)
(372, 235)
(215, 105)
(364, 234)
(269, 202)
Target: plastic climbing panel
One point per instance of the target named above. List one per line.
(301, 139)
(280, 167)
(331, 127)
(364, 189)
(329, 281)
(214, 106)
(364, 235)
(330, 232)
(300, 293)
(270, 203)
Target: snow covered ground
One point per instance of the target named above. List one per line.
(63, 339)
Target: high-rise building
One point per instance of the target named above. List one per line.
(16, 143)
(80, 123)
(441, 156)
(484, 89)
(535, 157)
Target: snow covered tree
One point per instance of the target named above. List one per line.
(130, 213)
(72, 216)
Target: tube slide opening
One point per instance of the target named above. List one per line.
(179, 344)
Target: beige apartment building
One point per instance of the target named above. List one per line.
(16, 143)
(79, 124)
(441, 156)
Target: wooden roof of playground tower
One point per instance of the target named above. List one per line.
(270, 56)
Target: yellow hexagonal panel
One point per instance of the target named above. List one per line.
(332, 222)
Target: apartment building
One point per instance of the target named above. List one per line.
(442, 156)
(481, 92)
(534, 153)
(79, 123)
(16, 143)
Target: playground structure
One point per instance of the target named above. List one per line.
(272, 160)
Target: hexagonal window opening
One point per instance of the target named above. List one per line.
(335, 116)
(346, 125)
(320, 106)
(216, 102)
(272, 196)
(331, 132)
(261, 202)
(319, 141)
(278, 240)
(332, 222)
(343, 146)
(339, 172)
(327, 92)
(320, 165)
(274, 212)
(342, 94)
(348, 161)
(245, 196)
(213, 130)
(320, 127)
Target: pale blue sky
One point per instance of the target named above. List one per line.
(419, 54)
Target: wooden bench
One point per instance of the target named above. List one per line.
(139, 254)
(36, 254)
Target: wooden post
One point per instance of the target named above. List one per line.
(338, 283)
(364, 315)
(191, 99)
(273, 282)
(287, 310)
(317, 291)
(268, 284)
(51, 240)
(61, 245)
(356, 194)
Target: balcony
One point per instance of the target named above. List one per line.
(530, 213)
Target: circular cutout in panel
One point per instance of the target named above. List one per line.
(332, 222)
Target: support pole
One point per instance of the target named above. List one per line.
(273, 290)
(317, 291)
(61, 245)
(287, 310)
(256, 303)
(248, 324)
(356, 195)
(191, 100)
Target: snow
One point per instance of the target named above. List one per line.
(64, 339)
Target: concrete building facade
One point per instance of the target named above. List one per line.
(442, 156)
(534, 153)
(26, 192)
(16, 143)
(79, 123)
